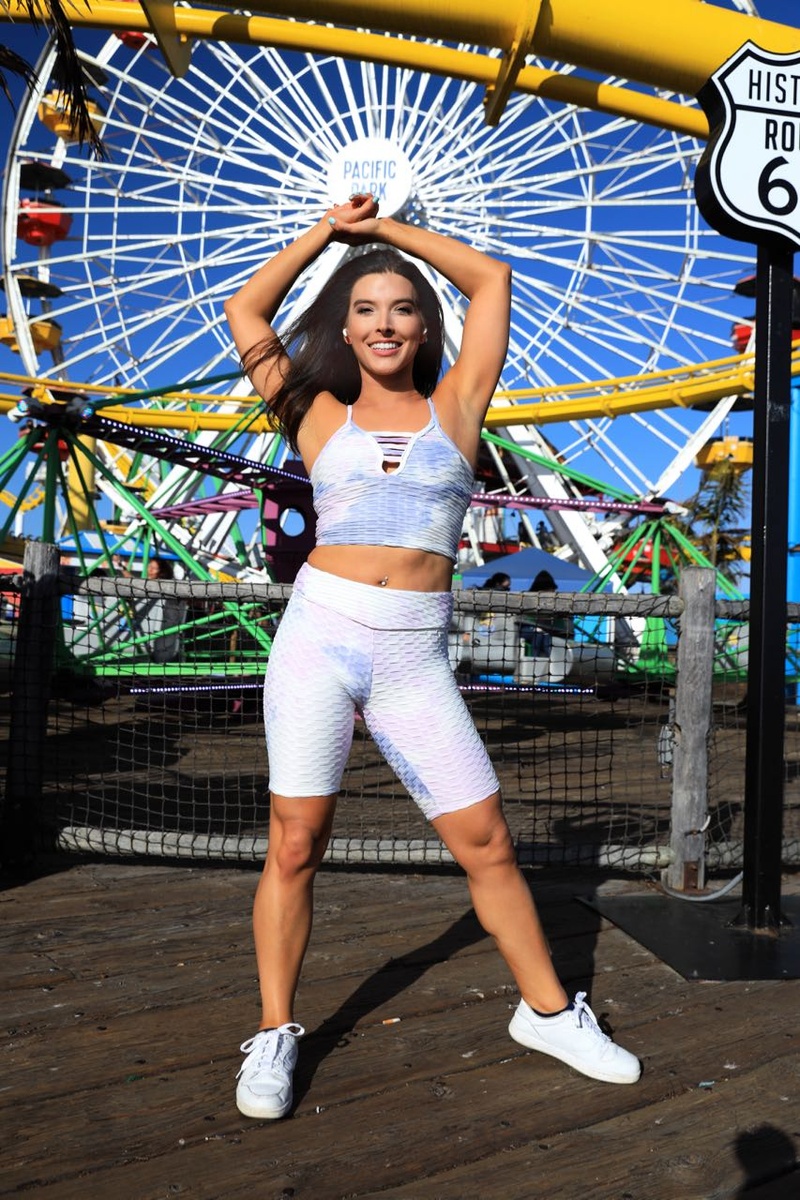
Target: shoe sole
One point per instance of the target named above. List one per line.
(259, 1114)
(571, 1061)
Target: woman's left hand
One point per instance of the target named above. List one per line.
(356, 221)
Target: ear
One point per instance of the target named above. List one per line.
(344, 335)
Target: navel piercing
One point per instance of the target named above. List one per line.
(383, 582)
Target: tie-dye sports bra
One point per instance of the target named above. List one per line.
(419, 503)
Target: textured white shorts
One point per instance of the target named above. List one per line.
(344, 647)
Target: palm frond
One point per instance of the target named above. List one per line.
(69, 69)
(12, 62)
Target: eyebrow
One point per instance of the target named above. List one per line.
(369, 300)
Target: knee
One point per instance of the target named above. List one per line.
(295, 849)
(497, 850)
(489, 849)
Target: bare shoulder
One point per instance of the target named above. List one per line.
(323, 418)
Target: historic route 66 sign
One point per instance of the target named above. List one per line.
(748, 180)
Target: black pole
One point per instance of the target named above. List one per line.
(763, 806)
(34, 655)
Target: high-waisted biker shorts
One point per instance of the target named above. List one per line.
(344, 647)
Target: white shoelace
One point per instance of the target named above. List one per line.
(270, 1051)
(580, 1009)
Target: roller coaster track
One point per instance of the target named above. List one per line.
(698, 386)
(254, 476)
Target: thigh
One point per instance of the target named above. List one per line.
(310, 694)
(418, 719)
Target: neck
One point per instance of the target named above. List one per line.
(380, 397)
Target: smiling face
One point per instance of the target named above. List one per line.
(384, 325)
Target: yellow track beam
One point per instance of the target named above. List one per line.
(80, 482)
(675, 46)
(684, 387)
(437, 60)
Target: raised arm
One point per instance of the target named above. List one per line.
(484, 281)
(252, 309)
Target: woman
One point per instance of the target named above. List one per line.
(499, 581)
(546, 628)
(390, 450)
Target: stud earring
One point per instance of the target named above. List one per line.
(344, 335)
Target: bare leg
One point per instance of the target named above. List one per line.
(299, 830)
(479, 839)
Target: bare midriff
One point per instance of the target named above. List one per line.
(386, 566)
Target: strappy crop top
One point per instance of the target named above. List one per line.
(420, 505)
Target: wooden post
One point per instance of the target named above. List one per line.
(692, 730)
(33, 666)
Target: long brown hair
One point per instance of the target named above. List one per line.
(320, 359)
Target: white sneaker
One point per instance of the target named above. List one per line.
(264, 1090)
(575, 1037)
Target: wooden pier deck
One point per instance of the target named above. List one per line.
(128, 988)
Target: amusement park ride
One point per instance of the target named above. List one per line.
(226, 134)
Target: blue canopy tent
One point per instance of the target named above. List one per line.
(524, 566)
(591, 652)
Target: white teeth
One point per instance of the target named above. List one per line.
(385, 345)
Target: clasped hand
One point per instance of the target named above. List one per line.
(356, 221)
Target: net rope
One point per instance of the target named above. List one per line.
(155, 742)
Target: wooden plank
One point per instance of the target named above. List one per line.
(379, 1137)
(134, 1096)
(714, 1145)
(141, 1007)
(386, 1076)
(105, 947)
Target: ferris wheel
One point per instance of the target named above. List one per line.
(116, 271)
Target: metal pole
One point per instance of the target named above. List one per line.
(793, 565)
(34, 656)
(765, 689)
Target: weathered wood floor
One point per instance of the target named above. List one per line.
(127, 990)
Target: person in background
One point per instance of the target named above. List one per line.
(157, 612)
(499, 580)
(543, 582)
(549, 624)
